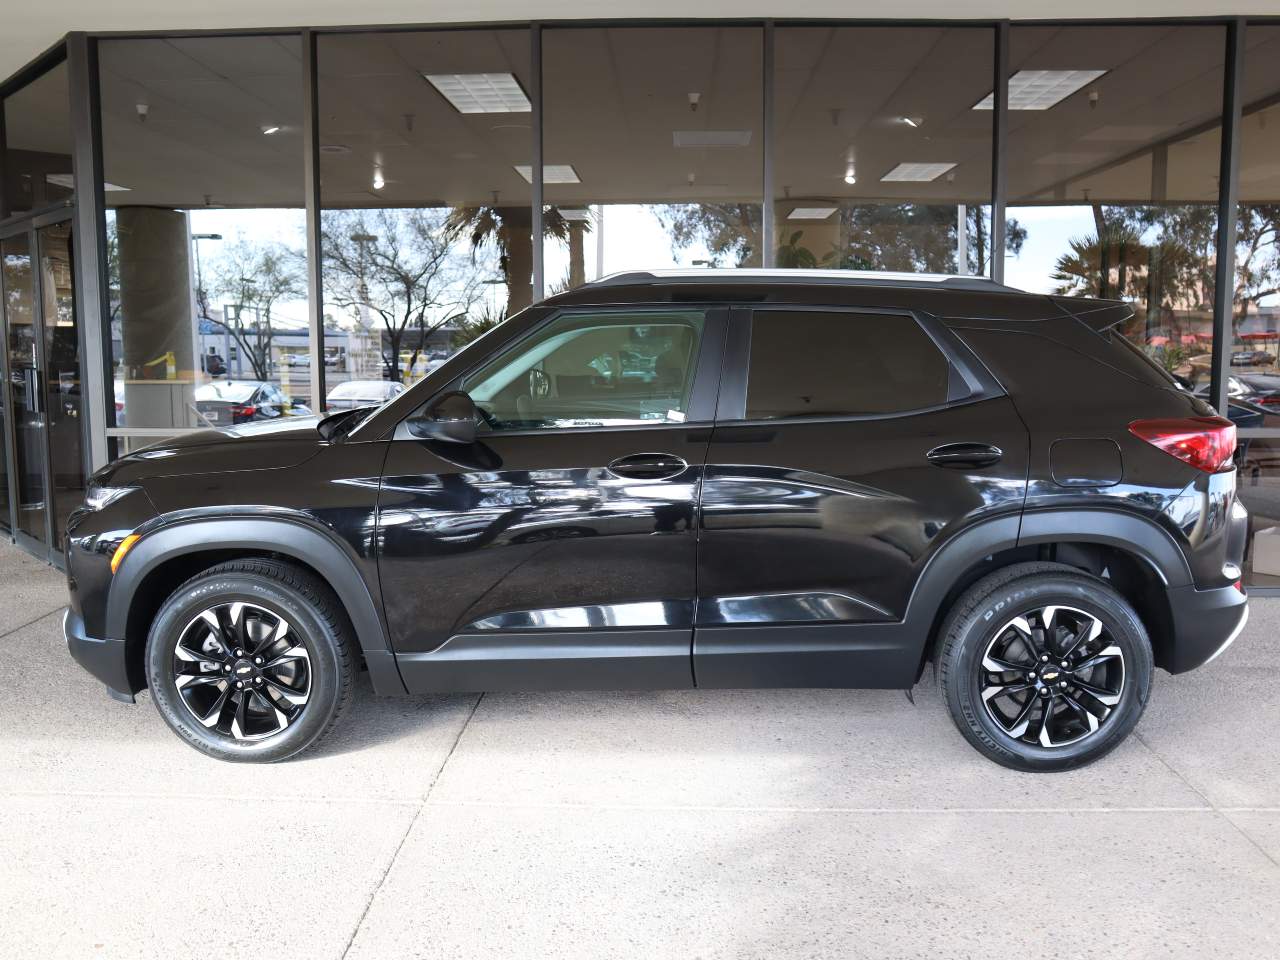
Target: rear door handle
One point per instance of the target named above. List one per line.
(962, 455)
(648, 466)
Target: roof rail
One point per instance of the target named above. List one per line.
(756, 275)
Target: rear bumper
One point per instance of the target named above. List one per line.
(105, 659)
(1205, 623)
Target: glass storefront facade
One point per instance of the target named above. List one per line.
(290, 222)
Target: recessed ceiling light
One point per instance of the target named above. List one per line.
(850, 175)
(811, 213)
(912, 121)
(481, 92)
(334, 148)
(916, 172)
(1041, 89)
(551, 173)
(710, 138)
(378, 180)
(268, 131)
(577, 214)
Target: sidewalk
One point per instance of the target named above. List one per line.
(705, 824)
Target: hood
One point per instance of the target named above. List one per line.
(266, 445)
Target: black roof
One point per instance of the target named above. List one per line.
(943, 296)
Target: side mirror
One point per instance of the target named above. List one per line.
(451, 418)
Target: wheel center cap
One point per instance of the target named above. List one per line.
(243, 669)
(1050, 673)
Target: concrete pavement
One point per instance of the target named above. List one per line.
(710, 824)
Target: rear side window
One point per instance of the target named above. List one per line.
(815, 363)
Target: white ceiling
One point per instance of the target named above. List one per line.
(27, 28)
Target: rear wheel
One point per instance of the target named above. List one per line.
(1044, 667)
(250, 661)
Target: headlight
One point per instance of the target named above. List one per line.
(95, 498)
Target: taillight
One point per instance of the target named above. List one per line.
(1206, 443)
(247, 410)
(1271, 399)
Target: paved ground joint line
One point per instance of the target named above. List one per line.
(1207, 799)
(23, 626)
(409, 829)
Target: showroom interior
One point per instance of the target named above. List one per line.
(260, 224)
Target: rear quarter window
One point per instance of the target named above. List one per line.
(815, 363)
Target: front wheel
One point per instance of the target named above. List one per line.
(250, 661)
(1043, 667)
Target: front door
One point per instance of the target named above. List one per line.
(41, 402)
(850, 444)
(559, 550)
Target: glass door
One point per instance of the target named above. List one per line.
(40, 403)
(63, 401)
(26, 419)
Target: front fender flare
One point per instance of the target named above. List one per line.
(289, 538)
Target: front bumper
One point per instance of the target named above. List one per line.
(1205, 622)
(105, 659)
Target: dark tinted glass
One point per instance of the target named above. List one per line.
(35, 149)
(1113, 157)
(812, 363)
(205, 223)
(426, 147)
(881, 160)
(653, 149)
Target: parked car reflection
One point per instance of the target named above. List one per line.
(241, 401)
(362, 393)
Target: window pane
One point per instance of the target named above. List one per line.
(812, 364)
(206, 227)
(613, 369)
(881, 161)
(652, 149)
(426, 221)
(1256, 297)
(1113, 176)
(1259, 490)
(37, 145)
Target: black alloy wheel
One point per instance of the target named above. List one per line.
(242, 671)
(1043, 666)
(250, 660)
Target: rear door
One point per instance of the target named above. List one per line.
(849, 445)
(559, 549)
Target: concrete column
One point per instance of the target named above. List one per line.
(157, 317)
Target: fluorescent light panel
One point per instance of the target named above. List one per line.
(916, 172)
(579, 214)
(551, 173)
(711, 138)
(1041, 89)
(481, 92)
(811, 213)
(68, 181)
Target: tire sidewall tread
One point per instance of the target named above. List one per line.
(310, 607)
(998, 597)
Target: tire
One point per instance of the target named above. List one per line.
(993, 709)
(294, 692)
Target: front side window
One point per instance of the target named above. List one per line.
(594, 369)
(817, 363)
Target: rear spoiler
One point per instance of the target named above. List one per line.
(1098, 315)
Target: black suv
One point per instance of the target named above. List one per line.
(756, 479)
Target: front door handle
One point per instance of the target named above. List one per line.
(963, 455)
(648, 466)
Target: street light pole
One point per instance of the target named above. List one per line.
(202, 298)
